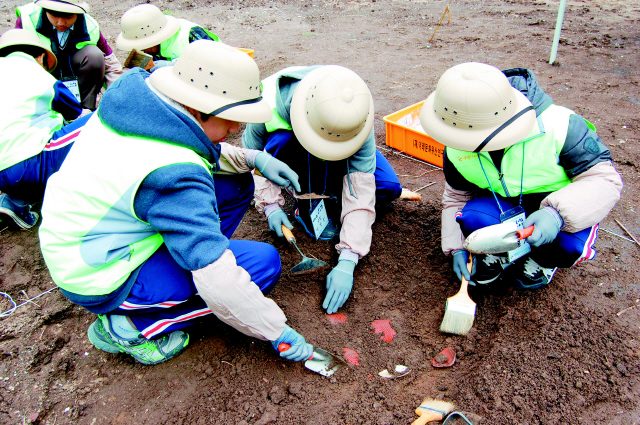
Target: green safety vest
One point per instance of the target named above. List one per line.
(27, 121)
(270, 93)
(31, 13)
(542, 169)
(90, 236)
(173, 47)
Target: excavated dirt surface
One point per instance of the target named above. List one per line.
(566, 354)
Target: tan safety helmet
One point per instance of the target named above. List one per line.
(216, 79)
(77, 7)
(332, 112)
(21, 37)
(475, 109)
(145, 26)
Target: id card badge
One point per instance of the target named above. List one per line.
(319, 217)
(73, 87)
(518, 216)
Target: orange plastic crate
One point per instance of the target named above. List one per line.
(247, 51)
(403, 135)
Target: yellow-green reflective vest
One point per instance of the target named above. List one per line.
(269, 93)
(90, 236)
(173, 47)
(26, 118)
(30, 14)
(542, 169)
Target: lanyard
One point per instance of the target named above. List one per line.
(325, 178)
(506, 192)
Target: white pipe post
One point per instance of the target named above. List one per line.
(556, 35)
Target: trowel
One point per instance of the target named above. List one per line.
(496, 239)
(307, 264)
(320, 361)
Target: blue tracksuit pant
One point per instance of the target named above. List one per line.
(164, 297)
(26, 180)
(566, 250)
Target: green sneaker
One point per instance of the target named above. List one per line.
(146, 351)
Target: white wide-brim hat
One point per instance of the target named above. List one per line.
(22, 37)
(474, 102)
(332, 112)
(145, 26)
(68, 6)
(217, 79)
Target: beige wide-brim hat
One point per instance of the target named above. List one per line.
(22, 37)
(67, 6)
(472, 101)
(332, 112)
(145, 26)
(217, 79)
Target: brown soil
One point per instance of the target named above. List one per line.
(568, 353)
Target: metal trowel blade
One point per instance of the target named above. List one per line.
(323, 363)
(496, 239)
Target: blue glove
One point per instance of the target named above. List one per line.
(276, 219)
(547, 224)
(276, 171)
(160, 64)
(299, 350)
(339, 284)
(460, 259)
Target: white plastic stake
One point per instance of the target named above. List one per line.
(556, 34)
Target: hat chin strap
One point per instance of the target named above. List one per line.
(502, 127)
(232, 105)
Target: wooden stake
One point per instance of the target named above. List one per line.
(628, 232)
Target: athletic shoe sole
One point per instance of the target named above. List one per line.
(17, 220)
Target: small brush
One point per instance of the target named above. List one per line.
(432, 410)
(460, 310)
(140, 59)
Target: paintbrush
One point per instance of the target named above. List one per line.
(460, 309)
(140, 59)
(432, 410)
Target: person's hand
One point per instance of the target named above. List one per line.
(339, 284)
(546, 226)
(299, 350)
(278, 218)
(276, 171)
(160, 64)
(460, 260)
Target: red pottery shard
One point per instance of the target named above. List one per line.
(337, 318)
(445, 358)
(384, 327)
(352, 356)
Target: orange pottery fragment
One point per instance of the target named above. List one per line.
(337, 318)
(352, 356)
(445, 358)
(384, 327)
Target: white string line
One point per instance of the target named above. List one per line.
(15, 307)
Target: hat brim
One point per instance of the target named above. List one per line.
(470, 139)
(315, 144)
(51, 59)
(173, 25)
(79, 9)
(175, 88)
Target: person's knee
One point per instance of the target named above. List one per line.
(90, 59)
(271, 270)
(387, 192)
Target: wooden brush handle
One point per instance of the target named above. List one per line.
(524, 233)
(288, 234)
(465, 282)
(426, 416)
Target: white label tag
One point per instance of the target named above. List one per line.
(319, 218)
(73, 87)
(523, 246)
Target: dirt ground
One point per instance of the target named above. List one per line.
(565, 354)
